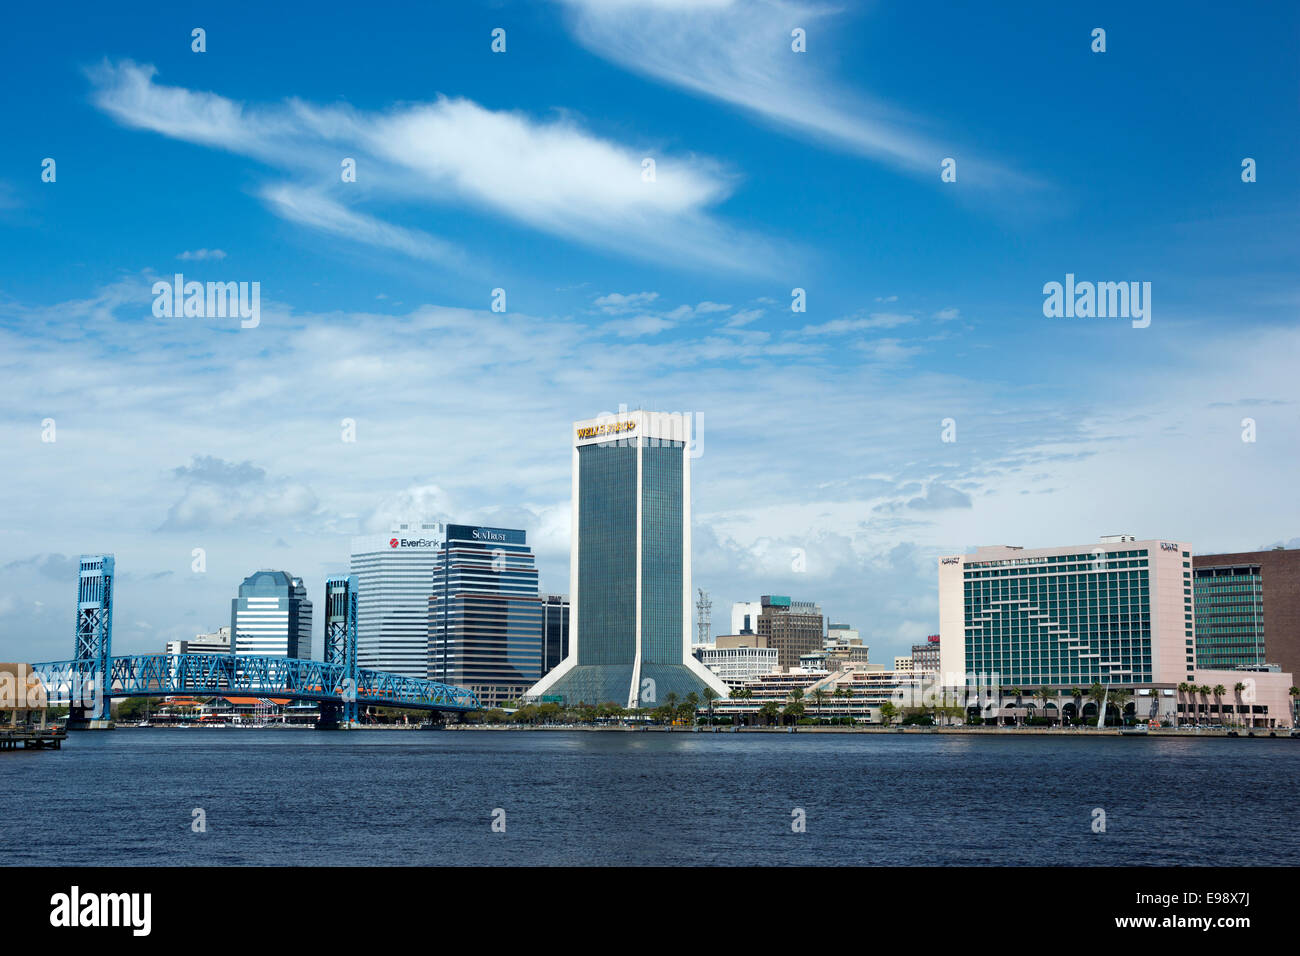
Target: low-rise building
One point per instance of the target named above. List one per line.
(218, 642)
(737, 658)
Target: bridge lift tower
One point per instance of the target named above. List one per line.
(341, 648)
(89, 705)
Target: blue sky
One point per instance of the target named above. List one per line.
(521, 170)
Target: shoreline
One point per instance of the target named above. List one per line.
(1259, 733)
(959, 731)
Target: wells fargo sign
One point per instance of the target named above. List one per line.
(608, 428)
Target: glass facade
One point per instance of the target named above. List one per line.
(271, 616)
(661, 552)
(607, 555)
(394, 578)
(555, 631)
(485, 614)
(631, 568)
(1229, 617)
(1060, 619)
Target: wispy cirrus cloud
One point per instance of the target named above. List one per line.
(740, 53)
(550, 175)
(860, 323)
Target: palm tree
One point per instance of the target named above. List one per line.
(1205, 695)
(1219, 691)
(670, 704)
(848, 703)
(819, 696)
(1183, 690)
(1120, 698)
(710, 695)
(1097, 694)
(1237, 688)
(793, 710)
(741, 693)
(1295, 693)
(1046, 695)
(1076, 694)
(887, 713)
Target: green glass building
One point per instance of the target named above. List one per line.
(630, 575)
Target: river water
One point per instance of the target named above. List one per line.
(303, 797)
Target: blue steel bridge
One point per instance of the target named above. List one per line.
(94, 676)
(212, 675)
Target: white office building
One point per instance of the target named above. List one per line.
(394, 581)
(218, 642)
(744, 616)
(738, 663)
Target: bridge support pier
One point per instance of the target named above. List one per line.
(83, 722)
(338, 717)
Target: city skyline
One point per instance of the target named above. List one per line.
(50, 567)
(824, 430)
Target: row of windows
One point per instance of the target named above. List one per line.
(1058, 558)
(1092, 569)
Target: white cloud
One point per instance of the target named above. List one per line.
(876, 320)
(740, 53)
(309, 208)
(704, 308)
(637, 326)
(552, 175)
(616, 303)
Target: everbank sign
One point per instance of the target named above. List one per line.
(412, 543)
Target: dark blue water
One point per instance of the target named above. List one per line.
(393, 797)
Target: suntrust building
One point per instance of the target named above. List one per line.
(1119, 613)
(630, 566)
(485, 614)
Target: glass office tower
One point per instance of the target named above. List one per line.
(485, 614)
(629, 571)
(1248, 609)
(394, 577)
(271, 616)
(555, 631)
(1229, 616)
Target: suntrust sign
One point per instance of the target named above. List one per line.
(464, 532)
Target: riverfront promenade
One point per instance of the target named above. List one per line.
(962, 731)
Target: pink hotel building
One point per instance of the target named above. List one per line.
(1119, 613)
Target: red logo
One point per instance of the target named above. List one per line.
(392, 542)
